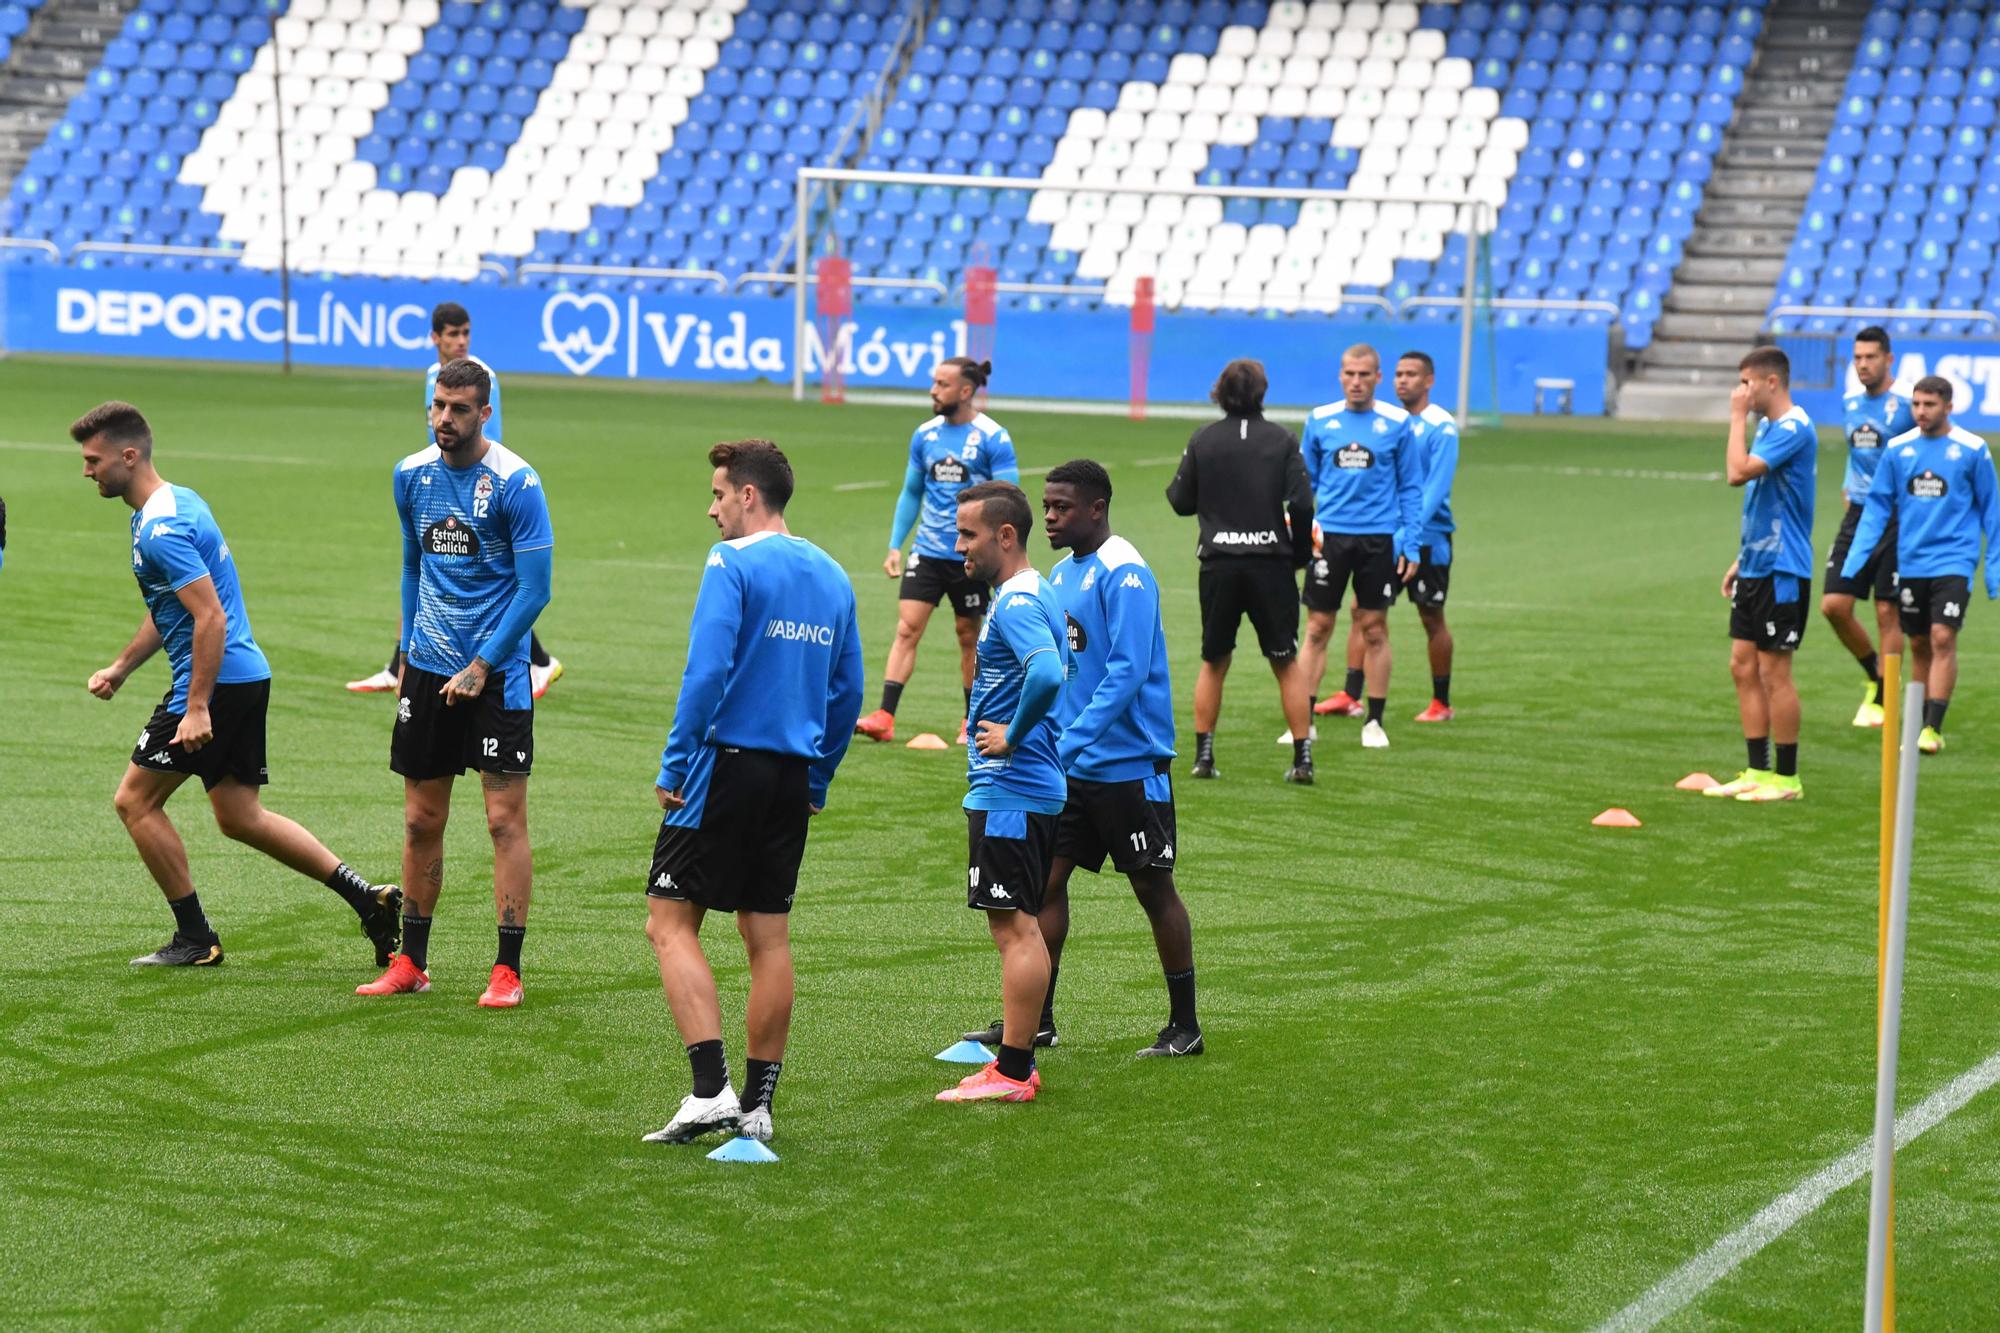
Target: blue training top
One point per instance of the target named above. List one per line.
(1871, 422)
(773, 663)
(1117, 716)
(1435, 433)
(944, 460)
(1941, 490)
(1024, 623)
(1366, 472)
(476, 557)
(175, 542)
(1778, 506)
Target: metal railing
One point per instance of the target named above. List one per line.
(25, 243)
(1883, 312)
(251, 254)
(720, 280)
(812, 280)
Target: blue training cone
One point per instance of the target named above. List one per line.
(743, 1150)
(966, 1053)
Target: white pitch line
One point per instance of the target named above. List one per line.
(38, 447)
(1617, 473)
(1709, 1267)
(860, 485)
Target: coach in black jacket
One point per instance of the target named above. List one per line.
(1245, 479)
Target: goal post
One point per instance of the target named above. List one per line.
(1334, 241)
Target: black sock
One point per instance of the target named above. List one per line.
(1204, 747)
(1049, 1000)
(537, 655)
(1788, 760)
(1759, 748)
(711, 1070)
(1376, 703)
(1312, 702)
(395, 659)
(1872, 666)
(510, 946)
(1302, 752)
(892, 695)
(968, 702)
(355, 891)
(417, 939)
(189, 920)
(1016, 1062)
(760, 1085)
(1934, 713)
(1441, 689)
(1356, 682)
(1180, 1000)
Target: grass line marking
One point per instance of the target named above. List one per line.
(1709, 1267)
(1616, 473)
(39, 447)
(860, 485)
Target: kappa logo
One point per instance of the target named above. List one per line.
(1792, 637)
(715, 560)
(403, 709)
(1017, 600)
(160, 757)
(997, 893)
(1167, 852)
(529, 481)
(665, 881)
(1132, 581)
(520, 756)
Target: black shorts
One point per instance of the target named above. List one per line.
(1369, 561)
(1880, 571)
(1770, 612)
(745, 855)
(237, 749)
(1431, 585)
(432, 740)
(1265, 590)
(931, 579)
(1007, 859)
(1921, 603)
(1131, 822)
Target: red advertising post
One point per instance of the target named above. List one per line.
(834, 306)
(981, 311)
(1142, 345)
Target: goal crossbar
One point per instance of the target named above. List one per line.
(1472, 212)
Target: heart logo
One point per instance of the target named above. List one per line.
(580, 348)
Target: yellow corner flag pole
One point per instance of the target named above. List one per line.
(1892, 716)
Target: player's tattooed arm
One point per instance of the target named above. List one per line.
(467, 684)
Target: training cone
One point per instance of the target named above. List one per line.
(743, 1150)
(1617, 817)
(966, 1053)
(928, 740)
(1696, 782)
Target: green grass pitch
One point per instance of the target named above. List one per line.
(1472, 1062)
